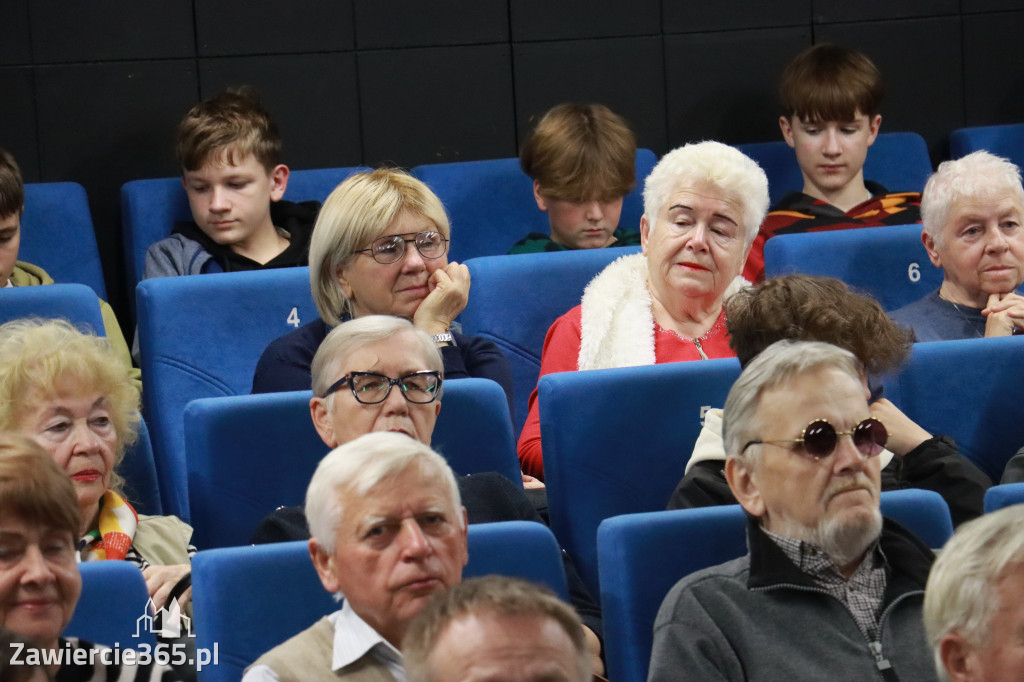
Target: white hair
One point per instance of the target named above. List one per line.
(960, 595)
(719, 165)
(977, 176)
(357, 467)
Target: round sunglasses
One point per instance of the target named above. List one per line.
(819, 438)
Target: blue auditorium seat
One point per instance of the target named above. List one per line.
(138, 468)
(75, 303)
(642, 556)
(898, 161)
(200, 336)
(616, 441)
(247, 600)
(57, 234)
(1002, 140)
(513, 301)
(999, 496)
(968, 389)
(114, 601)
(149, 208)
(490, 203)
(889, 263)
(249, 454)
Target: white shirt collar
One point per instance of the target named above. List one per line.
(353, 638)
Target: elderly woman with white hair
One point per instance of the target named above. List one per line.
(703, 204)
(972, 212)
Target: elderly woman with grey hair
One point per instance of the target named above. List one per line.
(703, 205)
(972, 212)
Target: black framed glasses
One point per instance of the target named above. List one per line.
(391, 249)
(819, 438)
(371, 388)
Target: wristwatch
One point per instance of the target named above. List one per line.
(446, 337)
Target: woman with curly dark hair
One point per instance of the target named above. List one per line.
(807, 308)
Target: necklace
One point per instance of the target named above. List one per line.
(969, 320)
(703, 337)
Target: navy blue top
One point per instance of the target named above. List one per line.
(935, 319)
(285, 364)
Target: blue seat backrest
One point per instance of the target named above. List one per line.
(999, 496)
(968, 389)
(250, 599)
(200, 336)
(75, 303)
(149, 208)
(491, 206)
(514, 299)
(616, 441)
(642, 556)
(1002, 140)
(57, 234)
(249, 454)
(113, 606)
(898, 161)
(139, 471)
(889, 263)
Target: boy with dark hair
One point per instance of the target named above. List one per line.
(830, 99)
(16, 273)
(229, 150)
(582, 161)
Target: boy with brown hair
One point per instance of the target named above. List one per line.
(229, 150)
(582, 161)
(16, 273)
(830, 100)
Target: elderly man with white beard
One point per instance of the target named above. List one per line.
(828, 588)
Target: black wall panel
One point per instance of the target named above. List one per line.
(104, 124)
(112, 29)
(15, 47)
(625, 74)
(721, 86)
(975, 6)
(694, 17)
(18, 123)
(922, 65)
(994, 68)
(238, 27)
(545, 20)
(434, 105)
(414, 23)
(827, 11)
(313, 98)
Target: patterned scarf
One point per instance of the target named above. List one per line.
(113, 536)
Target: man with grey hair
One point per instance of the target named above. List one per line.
(496, 628)
(974, 603)
(827, 587)
(388, 532)
(972, 212)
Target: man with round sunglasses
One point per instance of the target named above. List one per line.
(809, 308)
(380, 373)
(828, 589)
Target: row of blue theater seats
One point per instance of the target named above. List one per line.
(490, 202)
(238, 592)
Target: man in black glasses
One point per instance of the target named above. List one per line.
(379, 373)
(827, 590)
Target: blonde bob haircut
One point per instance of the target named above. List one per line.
(719, 165)
(40, 359)
(358, 211)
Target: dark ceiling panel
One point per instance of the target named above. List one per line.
(414, 23)
(312, 97)
(432, 105)
(544, 20)
(625, 74)
(112, 29)
(246, 27)
(721, 86)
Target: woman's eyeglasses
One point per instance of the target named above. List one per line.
(371, 388)
(391, 249)
(819, 438)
